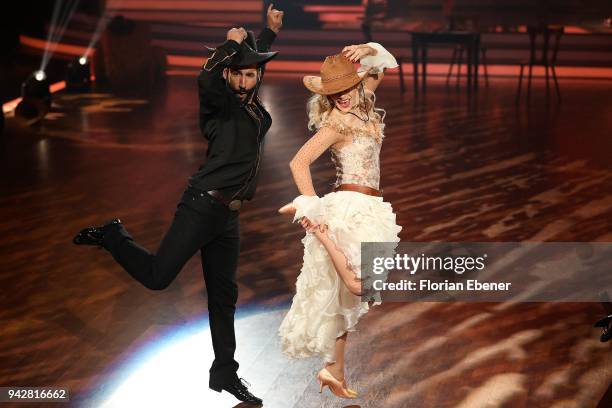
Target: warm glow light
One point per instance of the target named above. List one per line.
(82, 60)
(189, 6)
(299, 67)
(65, 49)
(58, 86)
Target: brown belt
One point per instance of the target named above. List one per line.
(360, 189)
(233, 205)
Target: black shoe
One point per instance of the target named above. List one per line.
(238, 388)
(95, 235)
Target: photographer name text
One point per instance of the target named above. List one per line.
(429, 285)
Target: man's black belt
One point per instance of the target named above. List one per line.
(230, 203)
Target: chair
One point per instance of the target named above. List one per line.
(400, 60)
(376, 10)
(458, 59)
(547, 57)
(470, 23)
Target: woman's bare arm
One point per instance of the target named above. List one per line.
(373, 80)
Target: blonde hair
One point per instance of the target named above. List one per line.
(320, 106)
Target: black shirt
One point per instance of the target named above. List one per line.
(235, 130)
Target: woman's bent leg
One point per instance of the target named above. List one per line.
(340, 262)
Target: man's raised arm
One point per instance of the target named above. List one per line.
(268, 34)
(211, 84)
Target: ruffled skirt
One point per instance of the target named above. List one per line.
(323, 308)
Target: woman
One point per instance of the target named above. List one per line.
(327, 303)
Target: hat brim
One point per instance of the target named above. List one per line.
(255, 58)
(315, 85)
(251, 57)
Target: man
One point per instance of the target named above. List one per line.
(235, 122)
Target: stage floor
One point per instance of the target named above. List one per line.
(455, 168)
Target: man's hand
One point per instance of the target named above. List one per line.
(356, 52)
(237, 34)
(275, 18)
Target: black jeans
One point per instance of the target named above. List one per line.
(200, 223)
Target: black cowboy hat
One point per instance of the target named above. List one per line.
(249, 54)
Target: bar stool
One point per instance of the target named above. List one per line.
(469, 23)
(547, 57)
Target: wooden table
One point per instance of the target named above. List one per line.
(420, 45)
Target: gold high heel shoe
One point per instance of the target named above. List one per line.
(336, 386)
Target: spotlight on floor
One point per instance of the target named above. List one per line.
(78, 75)
(35, 99)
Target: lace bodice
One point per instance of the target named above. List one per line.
(355, 153)
(358, 160)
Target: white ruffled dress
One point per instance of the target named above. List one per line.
(323, 308)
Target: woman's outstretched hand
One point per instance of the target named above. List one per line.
(287, 209)
(309, 226)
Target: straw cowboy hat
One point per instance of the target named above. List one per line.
(337, 74)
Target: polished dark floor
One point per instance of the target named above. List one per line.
(455, 168)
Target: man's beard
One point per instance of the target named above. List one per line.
(242, 93)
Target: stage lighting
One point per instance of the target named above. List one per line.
(35, 99)
(78, 76)
(40, 75)
(36, 86)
